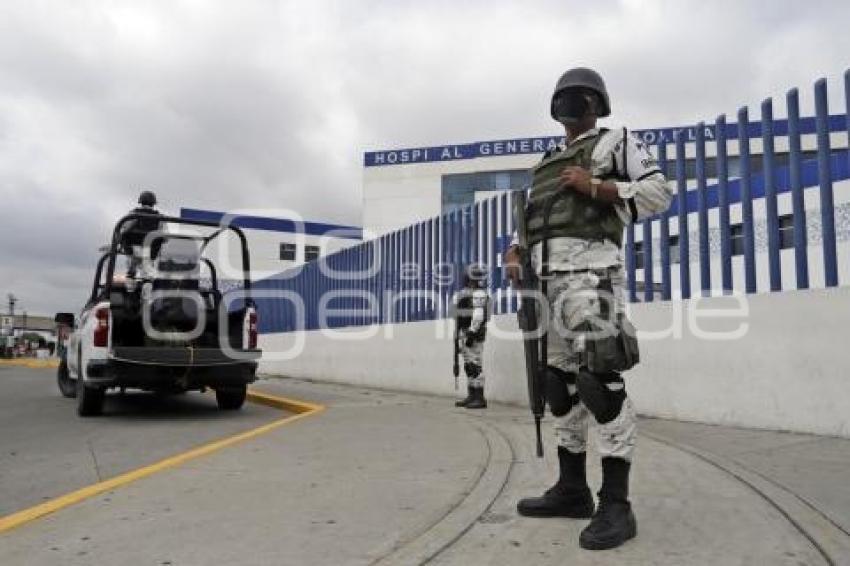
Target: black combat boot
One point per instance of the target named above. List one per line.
(569, 497)
(465, 402)
(614, 523)
(478, 401)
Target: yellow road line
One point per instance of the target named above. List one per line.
(301, 408)
(30, 363)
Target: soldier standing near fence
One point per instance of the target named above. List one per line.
(472, 306)
(582, 197)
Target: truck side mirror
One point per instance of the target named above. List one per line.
(65, 318)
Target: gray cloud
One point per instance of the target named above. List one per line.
(253, 104)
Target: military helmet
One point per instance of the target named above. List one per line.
(147, 198)
(582, 77)
(475, 273)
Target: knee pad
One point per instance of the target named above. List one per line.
(594, 391)
(557, 393)
(471, 370)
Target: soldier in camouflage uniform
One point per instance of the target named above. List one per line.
(582, 197)
(472, 305)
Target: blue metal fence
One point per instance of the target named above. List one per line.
(410, 274)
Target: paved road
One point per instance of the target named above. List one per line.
(46, 450)
(344, 487)
(388, 478)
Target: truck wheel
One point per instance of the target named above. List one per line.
(231, 398)
(67, 386)
(89, 400)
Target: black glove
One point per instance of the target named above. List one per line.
(470, 340)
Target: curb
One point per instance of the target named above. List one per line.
(830, 541)
(293, 405)
(451, 527)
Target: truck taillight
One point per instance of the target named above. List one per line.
(252, 329)
(101, 329)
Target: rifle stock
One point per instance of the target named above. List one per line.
(528, 321)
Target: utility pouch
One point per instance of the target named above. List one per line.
(607, 345)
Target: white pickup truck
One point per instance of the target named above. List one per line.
(156, 318)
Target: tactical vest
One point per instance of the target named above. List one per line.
(464, 309)
(554, 211)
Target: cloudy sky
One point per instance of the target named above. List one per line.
(224, 105)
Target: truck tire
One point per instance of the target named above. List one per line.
(67, 385)
(89, 399)
(231, 398)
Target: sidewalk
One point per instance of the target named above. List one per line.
(703, 495)
(689, 512)
(692, 508)
(815, 469)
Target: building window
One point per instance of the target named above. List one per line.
(287, 252)
(638, 255)
(736, 239)
(458, 189)
(786, 231)
(674, 249)
(311, 253)
(733, 165)
(786, 235)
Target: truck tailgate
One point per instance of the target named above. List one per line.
(181, 356)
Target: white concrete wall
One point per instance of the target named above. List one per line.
(787, 372)
(264, 250)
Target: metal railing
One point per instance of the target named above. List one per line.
(818, 174)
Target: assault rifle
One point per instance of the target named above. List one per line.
(456, 367)
(535, 346)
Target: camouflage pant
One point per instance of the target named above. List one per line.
(573, 297)
(472, 364)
